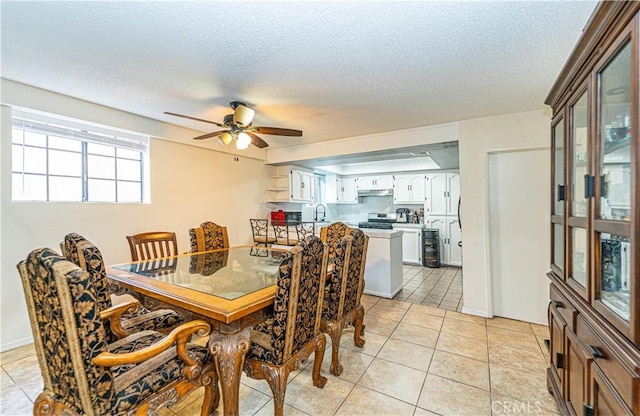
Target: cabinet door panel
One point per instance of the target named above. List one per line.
(401, 189)
(384, 182)
(436, 197)
(453, 193)
(454, 239)
(576, 375)
(296, 185)
(556, 348)
(411, 245)
(418, 188)
(349, 190)
(606, 402)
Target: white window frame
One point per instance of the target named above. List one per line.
(86, 134)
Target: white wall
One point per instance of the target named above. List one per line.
(479, 138)
(189, 185)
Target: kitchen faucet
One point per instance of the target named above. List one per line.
(324, 212)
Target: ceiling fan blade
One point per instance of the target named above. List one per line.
(210, 135)
(256, 140)
(194, 118)
(243, 115)
(277, 131)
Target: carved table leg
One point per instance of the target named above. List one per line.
(228, 352)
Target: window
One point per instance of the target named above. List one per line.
(55, 160)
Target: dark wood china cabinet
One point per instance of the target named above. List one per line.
(594, 309)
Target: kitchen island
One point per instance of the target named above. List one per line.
(383, 269)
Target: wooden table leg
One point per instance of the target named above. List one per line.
(229, 350)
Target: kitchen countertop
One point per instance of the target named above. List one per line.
(377, 233)
(407, 225)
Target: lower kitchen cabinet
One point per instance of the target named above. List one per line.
(411, 244)
(450, 238)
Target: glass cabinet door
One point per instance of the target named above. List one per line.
(557, 214)
(612, 220)
(578, 202)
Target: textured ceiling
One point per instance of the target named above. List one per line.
(331, 69)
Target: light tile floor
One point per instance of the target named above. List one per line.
(417, 360)
(441, 287)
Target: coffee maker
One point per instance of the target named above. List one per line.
(403, 214)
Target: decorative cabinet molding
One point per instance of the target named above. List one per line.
(594, 311)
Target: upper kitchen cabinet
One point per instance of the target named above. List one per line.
(410, 189)
(289, 184)
(375, 183)
(594, 312)
(341, 190)
(443, 193)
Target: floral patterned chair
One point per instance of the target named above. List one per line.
(87, 256)
(341, 305)
(331, 234)
(208, 236)
(260, 231)
(281, 343)
(152, 245)
(85, 374)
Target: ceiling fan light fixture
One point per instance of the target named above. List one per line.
(225, 138)
(243, 115)
(243, 141)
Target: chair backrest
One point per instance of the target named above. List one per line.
(347, 277)
(280, 230)
(331, 234)
(67, 331)
(85, 255)
(300, 283)
(305, 228)
(208, 236)
(152, 245)
(259, 227)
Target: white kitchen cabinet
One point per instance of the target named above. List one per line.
(411, 244)
(341, 190)
(374, 183)
(289, 184)
(409, 189)
(443, 193)
(301, 186)
(450, 236)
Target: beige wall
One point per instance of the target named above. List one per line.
(189, 185)
(479, 138)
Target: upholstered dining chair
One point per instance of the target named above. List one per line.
(305, 228)
(152, 245)
(85, 374)
(341, 305)
(331, 234)
(260, 231)
(88, 257)
(282, 342)
(208, 236)
(281, 232)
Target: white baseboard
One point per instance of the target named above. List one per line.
(468, 311)
(15, 344)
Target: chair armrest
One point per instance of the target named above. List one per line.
(179, 336)
(114, 313)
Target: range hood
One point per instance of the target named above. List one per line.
(375, 192)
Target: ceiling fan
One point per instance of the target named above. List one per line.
(239, 127)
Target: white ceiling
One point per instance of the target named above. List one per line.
(333, 69)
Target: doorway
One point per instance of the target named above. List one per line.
(519, 234)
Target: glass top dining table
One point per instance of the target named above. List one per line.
(228, 274)
(232, 289)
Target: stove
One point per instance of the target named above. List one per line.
(379, 221)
